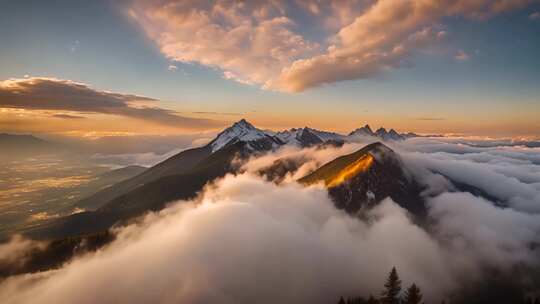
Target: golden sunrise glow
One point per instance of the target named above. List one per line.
(358, 166)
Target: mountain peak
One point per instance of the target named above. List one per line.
(260, 140)
(364, 131)
(381, 133)
(244, 131)
(365, 177)
(299, 136)
(244, 124)
(380, 151)
(348, 166)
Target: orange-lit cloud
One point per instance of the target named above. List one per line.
(260, 42)
(249, 40)
(39, 93)
(381, 38)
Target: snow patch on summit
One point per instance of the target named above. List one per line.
(239, 131)
(262, 140)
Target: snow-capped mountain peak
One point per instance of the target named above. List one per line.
(293, 136)
(364, 131)
(305, 137)
(394, 134)
(325, 135)
(388, 135)
(289, 136)
(243, 131)
(381, 131)
(261, 140)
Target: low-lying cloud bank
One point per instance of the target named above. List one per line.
(509, 174)
(246, 240)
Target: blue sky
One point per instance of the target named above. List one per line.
(96, 43)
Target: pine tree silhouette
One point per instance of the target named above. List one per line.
(392, 288)
(413, 295)
(341, 301)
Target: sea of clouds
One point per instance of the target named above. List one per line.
(249, 240)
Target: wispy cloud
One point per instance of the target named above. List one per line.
(534, 16)
(262, 42)
(68, 116)
(40, 93)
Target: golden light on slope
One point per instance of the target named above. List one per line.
(358, 166)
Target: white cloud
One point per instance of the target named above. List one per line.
(245, 240)
(15, 250)
(490, 235)
(265, 42)
(308, 159)
(249, 41)
(290, 246)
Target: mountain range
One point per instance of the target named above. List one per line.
(183, 175)
(258, 139)
(241, 133)
(355, 182)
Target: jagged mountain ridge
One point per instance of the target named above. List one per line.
(381, 133)
(256, 140)
(194, 167)
(261, 140)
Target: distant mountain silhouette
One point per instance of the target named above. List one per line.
(17, 146)
(381, 133)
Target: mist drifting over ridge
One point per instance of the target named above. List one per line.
(245, 239)
(279, 151)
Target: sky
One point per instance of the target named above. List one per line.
(132, 67)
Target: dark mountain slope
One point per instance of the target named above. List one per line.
(120, 173)
(151, 196)
(367, 176)
(242, 131)
(177, 164)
